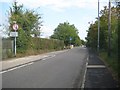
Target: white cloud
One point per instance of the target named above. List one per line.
(46, 31)
(58, 5)
(6, 1)
(52, 4)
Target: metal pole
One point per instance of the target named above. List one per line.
(109, 30)
(15, 44)
(15, 30)
(98, 27)
(15, 40)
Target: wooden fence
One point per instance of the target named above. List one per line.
(7, 48)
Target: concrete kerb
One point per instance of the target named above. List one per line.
(85, 71)
(9, 64)
(19, 62)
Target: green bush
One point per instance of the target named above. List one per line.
(112, 62)
(40, 44)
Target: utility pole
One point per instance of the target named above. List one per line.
(98, 28)
(15, 27)
(109, 30)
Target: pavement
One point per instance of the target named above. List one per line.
(97, 74)
(14, 62)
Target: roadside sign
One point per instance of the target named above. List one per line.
(15, 27)
(13, 34)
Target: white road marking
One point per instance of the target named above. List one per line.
(25, 65)
(49, 57)
(44, 59)
(87, 62)
(16, 68)
(96, 66)
(87, 59)
(83, 83)
(90, 66)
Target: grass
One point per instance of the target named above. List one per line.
(112, 63)
(29, 53)
(33, 52)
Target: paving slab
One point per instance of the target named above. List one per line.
(97, 74)
(99, 78)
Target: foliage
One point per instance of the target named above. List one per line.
(92, 35)
(41, 45)
(83, 42)
(68, 33)
(47, 44)
(112, 63)
(29, 24)
(37, 46)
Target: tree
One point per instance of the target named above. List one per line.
(29, 23)
(83, 42)
(118, 28)
(68, 33)
(93, 32)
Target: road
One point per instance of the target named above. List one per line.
(64, 70)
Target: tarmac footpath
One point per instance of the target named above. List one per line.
(97, 74)
(19, 62)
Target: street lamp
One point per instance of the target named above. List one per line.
(109, 29)
(98, 28)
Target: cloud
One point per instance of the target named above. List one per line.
(52, 4)
(46, 31)
(58, 5)
(6, 1)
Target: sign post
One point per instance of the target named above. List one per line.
(70, 40)
(15, 27)
(71, 46)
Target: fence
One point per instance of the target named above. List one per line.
(7, 48)
(37, 45)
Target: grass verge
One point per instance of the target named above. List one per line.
(31, 52)
(112, 64)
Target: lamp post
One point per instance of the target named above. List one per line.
(98, 28)
(109, 30)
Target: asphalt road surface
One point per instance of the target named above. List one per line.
(64, 70)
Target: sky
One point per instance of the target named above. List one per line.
(77, 12)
